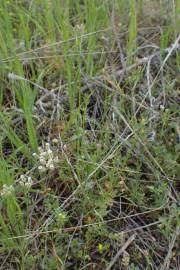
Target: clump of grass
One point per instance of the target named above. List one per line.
(132, 36)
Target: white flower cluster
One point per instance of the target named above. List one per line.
(46, 158)
(25, 181)
(7, 190)
(125, 259)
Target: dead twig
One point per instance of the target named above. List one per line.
(122, 249)
(166, 263)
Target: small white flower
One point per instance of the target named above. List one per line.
(34, 155)
(23, 177)
(49, 151)
(50, 161)
(51, 166)
(162, 108)
(25, 181)
(55, 141)
(21, 183)
(29, 179)
(47, 146)
(47, 158)
(41, 168)
(27, 185)
(29, 182)
(89, 185)
(125, 259)
(42, 161)
(7, 190)
(65, 147)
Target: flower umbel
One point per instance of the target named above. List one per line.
(7, 190)
(25, 181)
(46, 158)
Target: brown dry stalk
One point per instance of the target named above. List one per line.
(122, 249)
